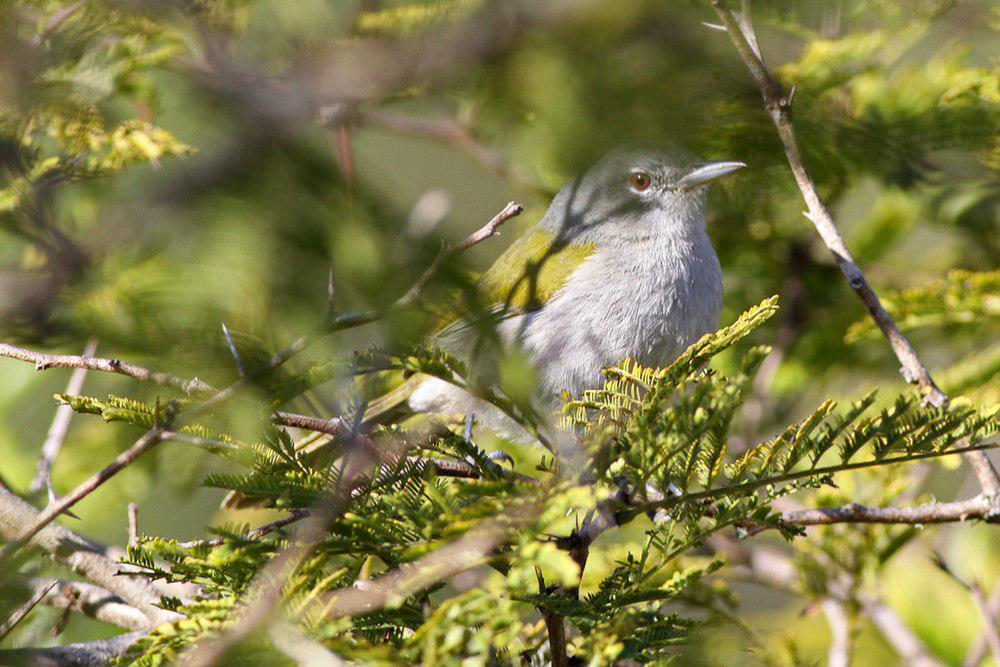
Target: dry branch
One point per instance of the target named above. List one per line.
(79, 555)
(779, 107)
(93, 601)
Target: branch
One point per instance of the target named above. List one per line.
(897, 633)
(990, 614)
(779, 106)
(60, 425)
(86, 654)
(666, 503)
(44, 361)
(93, 601)
(959, 510)
(839, 620)
(147, 442)
(79, 555)
(25, 609)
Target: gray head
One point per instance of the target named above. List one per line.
(639, 191)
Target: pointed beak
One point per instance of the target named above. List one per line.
(709, 172)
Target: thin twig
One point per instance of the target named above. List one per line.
(23, 610)
(959, 510)
(986, 610)
(905, 642)
(839, 654)
(449, 131)
(44, 361)
(977, 652)
(779, 106)
(79, 555)
(60, 425)
(99, 652)
(254, 534)
(147, 442)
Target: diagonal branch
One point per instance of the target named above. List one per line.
(779, 107)
(79, 555)
(93, 601)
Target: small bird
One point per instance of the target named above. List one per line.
(621, 266)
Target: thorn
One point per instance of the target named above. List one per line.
(156, 412)
(714, 26)
(790, 97)
(53, 498)
(467, 432)
(232, 350)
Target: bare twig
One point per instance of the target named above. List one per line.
(779, 106)
(977, 652)
(987, 611)
(959, 510)
(44, 361)
(555, 626)
(511, 210)
(24, 609)
(839, 654)
(254, 534)
(897, 633)
(148, 441)
(60, 425)
(79, 555)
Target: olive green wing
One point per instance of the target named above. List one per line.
(526, 275)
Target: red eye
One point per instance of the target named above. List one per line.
(639, 180)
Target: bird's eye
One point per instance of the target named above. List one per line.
(639, 180)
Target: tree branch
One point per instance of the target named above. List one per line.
(79, 555)
(839, 654)
(897, 633)
(779, 106)
(93, 601)
(60, 425)
(18, 615)
(86, 654)
(147, 442)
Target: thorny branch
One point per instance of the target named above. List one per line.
(79, 555)
(779, 107)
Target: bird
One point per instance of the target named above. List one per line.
(620, 266)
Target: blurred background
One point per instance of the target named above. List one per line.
(169, 167)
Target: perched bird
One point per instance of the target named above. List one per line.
(620, 266)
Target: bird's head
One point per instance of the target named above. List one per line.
(638, 191)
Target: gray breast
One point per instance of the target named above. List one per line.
(647, 299)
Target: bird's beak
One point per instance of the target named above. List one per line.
(709, 172)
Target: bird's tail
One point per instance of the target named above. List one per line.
(391, 407)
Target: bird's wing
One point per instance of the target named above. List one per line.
(526, 275)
